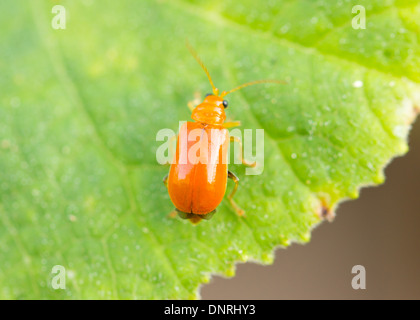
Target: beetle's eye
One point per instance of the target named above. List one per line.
(208, 94)
(225, 104)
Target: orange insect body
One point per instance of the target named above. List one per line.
(199, 188)
(196, 188)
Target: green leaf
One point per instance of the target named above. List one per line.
(80, 108)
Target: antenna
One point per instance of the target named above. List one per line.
(224, 93)
(196, 57)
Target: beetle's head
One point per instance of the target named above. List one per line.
(211, 110)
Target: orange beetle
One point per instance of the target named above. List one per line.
(196, 188)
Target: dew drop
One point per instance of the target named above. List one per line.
(358, 84)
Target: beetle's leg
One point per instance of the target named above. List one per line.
(193, 103)
(165, 180)
(244, 161)
(231, 124)
(235, 179)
